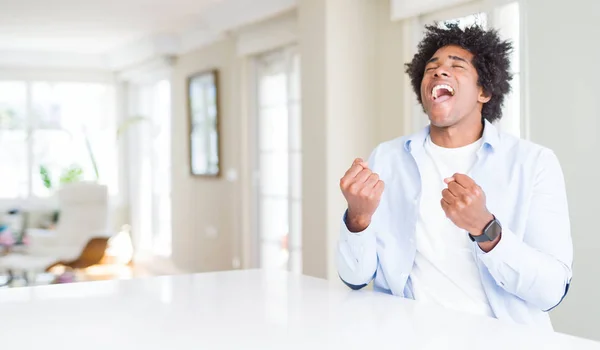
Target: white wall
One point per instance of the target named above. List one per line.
(311, 27)
(352, 94)
(563, 56)
(391, 83)
(339, 115)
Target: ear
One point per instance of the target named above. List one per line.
(484, 97)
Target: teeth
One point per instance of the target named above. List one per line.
(436, 88)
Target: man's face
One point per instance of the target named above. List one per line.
(449, 89)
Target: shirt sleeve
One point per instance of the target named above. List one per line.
(537, 268)
(356, 256)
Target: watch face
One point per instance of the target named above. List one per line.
(493, 230)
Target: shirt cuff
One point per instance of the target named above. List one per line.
(355, 237)
(501, 251)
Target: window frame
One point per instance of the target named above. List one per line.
(254, 252)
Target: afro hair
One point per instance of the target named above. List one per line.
(490, 59)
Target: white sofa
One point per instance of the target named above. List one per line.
(83, 215)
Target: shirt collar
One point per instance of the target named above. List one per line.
(490, 137)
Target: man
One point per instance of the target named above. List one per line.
(460, 214)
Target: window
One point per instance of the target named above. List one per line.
(65, 129)
(505, 18)
(463, 22)
(279, 160)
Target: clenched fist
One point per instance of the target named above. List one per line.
(464, 203)
(362, 190)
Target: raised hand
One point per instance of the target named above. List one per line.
(464, 203)
(362, 189)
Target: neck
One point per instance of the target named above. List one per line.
(459, 135)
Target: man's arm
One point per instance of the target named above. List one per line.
(356, 255)
(538, 268)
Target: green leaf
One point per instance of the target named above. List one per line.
(46, 178)
(72, 174)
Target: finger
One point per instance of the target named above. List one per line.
(464, 180)
(445, 206)
(372, 180)
(448, 197)
(456, 189)
(361, 162)
(353, 171)
(363, 175)
(379, 187)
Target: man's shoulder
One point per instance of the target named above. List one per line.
(525, 150)
(402, 144)
(393, 148)
(388, 153)
(393, 145)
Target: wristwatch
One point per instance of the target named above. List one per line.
(491, 231)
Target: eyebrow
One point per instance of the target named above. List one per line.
(456, 58)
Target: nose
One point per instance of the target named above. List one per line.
(441, 71)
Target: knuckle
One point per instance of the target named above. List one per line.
(468, 200)
(343, 183)
(365, 192)
(354, 188)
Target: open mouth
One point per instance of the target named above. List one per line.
(442, 93)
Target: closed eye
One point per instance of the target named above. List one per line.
(457, 66)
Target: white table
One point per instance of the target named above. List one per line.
(246, 310)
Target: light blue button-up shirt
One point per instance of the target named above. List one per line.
(529, 270)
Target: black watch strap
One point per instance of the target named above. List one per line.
(491, 231)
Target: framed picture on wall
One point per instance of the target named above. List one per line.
(203, 114)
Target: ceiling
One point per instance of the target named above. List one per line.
(104, 27)
(91, 26)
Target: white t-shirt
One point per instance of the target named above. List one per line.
(445, 271)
